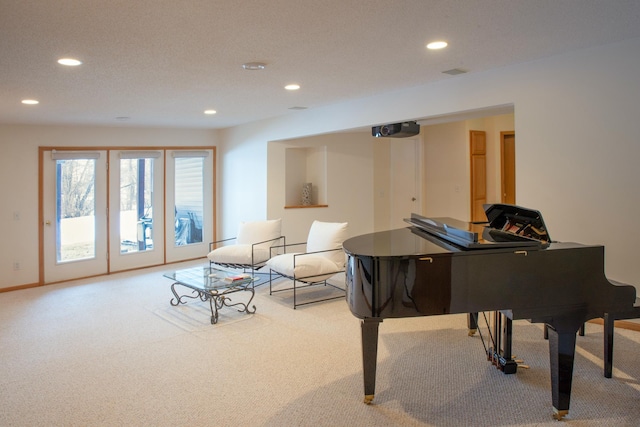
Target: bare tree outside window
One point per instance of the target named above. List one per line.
(75, 216)
(77, 185)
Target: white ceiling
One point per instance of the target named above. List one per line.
(163, 62)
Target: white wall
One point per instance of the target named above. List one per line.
(19, 180)
(577, 130)
(447, 163)
(447, 170)
(381, 184)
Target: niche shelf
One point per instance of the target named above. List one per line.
(305, 206)
(305, 165)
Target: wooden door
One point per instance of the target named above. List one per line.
(478, 151)
(508, 166)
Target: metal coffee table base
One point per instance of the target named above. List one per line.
(218, 298)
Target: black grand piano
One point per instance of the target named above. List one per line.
(508, 265)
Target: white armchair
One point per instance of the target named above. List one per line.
(251, 248)
(323, 258)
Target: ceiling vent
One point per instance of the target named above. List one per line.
(455, 71)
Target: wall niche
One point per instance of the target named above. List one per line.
(303, 166)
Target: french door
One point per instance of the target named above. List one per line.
(75, 214)
(189, 190)
(113, 210)
(136, 209)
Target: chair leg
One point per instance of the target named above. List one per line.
(294, 294)
(270, 279)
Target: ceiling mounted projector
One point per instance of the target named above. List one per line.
(396, 130)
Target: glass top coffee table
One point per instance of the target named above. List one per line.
(214, 285)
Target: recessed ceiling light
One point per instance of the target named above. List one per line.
(437, 45)
(30, 101)
(71, 62)
(292, 87)
(210, 112)
(254, 66)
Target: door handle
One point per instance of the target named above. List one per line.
(413, 199)
(47, 222)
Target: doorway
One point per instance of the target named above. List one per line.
(405, 184)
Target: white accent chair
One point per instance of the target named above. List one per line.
(324, 258)
(251, 249)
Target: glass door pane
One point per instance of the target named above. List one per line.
(189, 200)
(75, 209)
(136, 206)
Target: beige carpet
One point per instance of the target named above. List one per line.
(111, 351)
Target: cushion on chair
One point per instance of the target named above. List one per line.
(238, 254)
(309, 268)
(248, 234)
(328, 235)
(259, 231)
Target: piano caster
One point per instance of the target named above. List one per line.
(472, 332)
(559, 415)
(368, 398)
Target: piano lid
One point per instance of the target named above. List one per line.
(508, 226)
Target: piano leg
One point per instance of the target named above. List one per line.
(608, 344)
(562, 348)
(580, 332)
(369, 355)
(472, 323)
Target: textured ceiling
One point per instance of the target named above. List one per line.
(162, 62)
